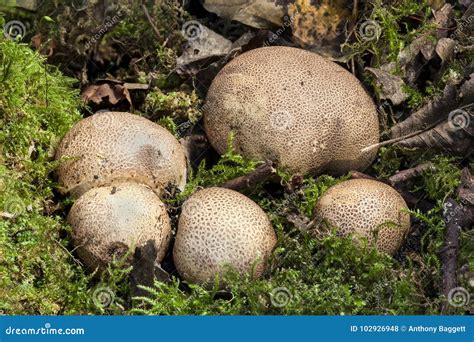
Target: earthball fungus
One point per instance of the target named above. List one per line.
(294, 107)
(366, 208)
(109, 221)
(117, 146)
(219, 228)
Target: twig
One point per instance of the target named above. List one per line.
(407, 174)
(150, 20)
(393, 141)
(457, 216)
(359, 175)
(260, 174)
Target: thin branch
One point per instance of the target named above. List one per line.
(260, 174)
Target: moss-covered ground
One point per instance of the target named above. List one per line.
(327, 274)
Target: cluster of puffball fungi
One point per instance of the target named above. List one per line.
(294, 107)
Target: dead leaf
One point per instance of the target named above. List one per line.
(445, 49)
(206, 44)
(391, 86)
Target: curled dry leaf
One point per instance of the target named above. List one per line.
(106, 94)
(444, 123)
(203, 47)
(391, 86)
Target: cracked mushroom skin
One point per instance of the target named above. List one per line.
(294, 107)
(117, 146)
(109, 221)
(366, 208)
(219, 228)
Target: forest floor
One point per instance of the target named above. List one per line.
(60, 62)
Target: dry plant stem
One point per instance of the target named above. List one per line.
(405, 175)
(454, 217)
(150, 20)
(260, 174)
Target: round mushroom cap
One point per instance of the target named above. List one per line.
(117, 146)
(366, 208)
(294, 107)
(219, 228)
(108, 221)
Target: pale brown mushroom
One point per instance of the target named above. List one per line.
(221, 228)
(116, 146)
(366, 208)
(294, 107)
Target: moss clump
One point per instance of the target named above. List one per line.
(179, 105)
(38, 274)
(389, 29)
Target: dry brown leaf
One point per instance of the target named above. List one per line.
(106, 93)
(391, 86)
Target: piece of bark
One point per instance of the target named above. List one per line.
(259, 14)
(260, 174)
(405, 175)
(202, 45)
(456, 216)
(360, 175)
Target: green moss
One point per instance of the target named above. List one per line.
(441, 181)
(328, 275)
(179, 105)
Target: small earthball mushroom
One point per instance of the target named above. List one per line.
(294, 107)
(219, 228)
(117, 146)
(366, 208)
(110, 220)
